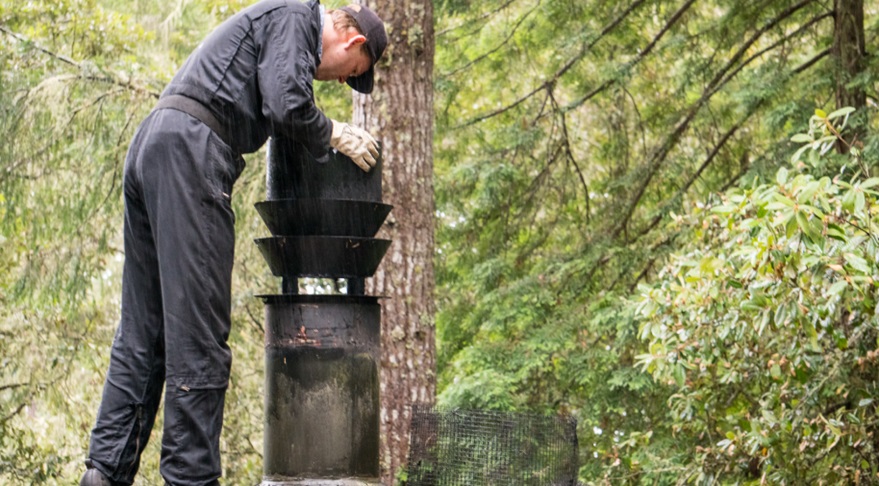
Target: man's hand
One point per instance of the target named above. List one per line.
(356, 143)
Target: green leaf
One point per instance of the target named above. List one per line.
(838, 287)
(803, 221)
(765, 318)
(775, 371)
(750, 305)
(781, 176)
(780, 315)
(680, 375)
(784, 200)
(799, 153)
(848, 200)
(840, 112)
(777, 205)
(805, 196)
(724, 209)
(836, 232)
(790, 225)
(857, 263)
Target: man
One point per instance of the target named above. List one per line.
(250, 79)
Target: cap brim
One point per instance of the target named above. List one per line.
(363, 83)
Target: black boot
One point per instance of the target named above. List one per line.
(93, 477)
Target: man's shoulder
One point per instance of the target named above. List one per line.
(293, 6)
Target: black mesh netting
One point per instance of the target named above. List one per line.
(475, 448)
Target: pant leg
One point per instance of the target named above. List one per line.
(180, 177)
(189, 201)
(133, 386)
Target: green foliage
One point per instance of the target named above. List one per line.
(77, 77)
(58, 238)
(764, 326)
(569, 136)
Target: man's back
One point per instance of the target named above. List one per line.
(255, 72)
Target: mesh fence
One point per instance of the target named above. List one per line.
(481, 448)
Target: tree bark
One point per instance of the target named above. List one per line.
(849, 52)
(400, 113)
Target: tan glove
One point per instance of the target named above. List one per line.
(356, 143)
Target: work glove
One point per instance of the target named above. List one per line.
(356, 143)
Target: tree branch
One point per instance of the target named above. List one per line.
(82, 69)
(257, 323)
(723, 142)
(11, 386)
(605, 256)
(470, 23)
(15, 412)
(781, 41)
(495, 49)
(726, 137)
(719, 80)
(640, 57)
(806, 65)
(561, 71)
(570, 155)
(38, 47)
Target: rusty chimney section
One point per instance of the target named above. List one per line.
(322, 351)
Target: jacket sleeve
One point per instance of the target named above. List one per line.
(285, 73)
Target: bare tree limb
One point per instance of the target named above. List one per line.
(38, 47)
(569, 152)
(256, 322)
(720, 78)
(12, 386)
(806, 65)
(793, 35)
(12, 414)
(98, 100)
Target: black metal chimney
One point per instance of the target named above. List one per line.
(322, 351)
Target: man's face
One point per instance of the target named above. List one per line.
(342, 57)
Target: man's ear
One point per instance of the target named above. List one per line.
(355, 41)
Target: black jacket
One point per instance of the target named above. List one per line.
(255, 73)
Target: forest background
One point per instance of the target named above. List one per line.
(656, 216)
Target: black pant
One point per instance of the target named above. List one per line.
(176, 300)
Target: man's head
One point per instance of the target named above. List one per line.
(353, 41)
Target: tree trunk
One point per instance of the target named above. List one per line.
(849, 54)
(400, 113)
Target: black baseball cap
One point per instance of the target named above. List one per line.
(373, 29)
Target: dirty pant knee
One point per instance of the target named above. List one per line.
(191, 439)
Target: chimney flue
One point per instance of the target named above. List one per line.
(322, 351)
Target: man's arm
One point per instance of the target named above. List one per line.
(286, 68)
